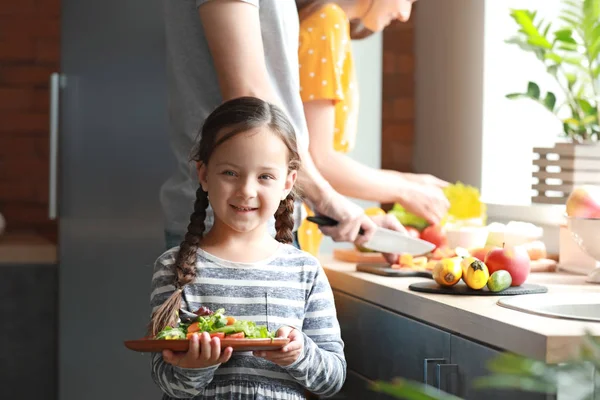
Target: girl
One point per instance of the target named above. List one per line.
(247, 163)
(329, 92)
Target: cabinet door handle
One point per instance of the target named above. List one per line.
(426, 363)
(443, 371)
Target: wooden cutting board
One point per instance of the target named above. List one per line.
(356, 257)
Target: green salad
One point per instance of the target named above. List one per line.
(217, 324)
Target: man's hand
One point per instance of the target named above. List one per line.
(390, 222)
(350, 216)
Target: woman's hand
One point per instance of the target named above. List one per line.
(425, 179)
(426, 200)
(203, 352)
(290, 352)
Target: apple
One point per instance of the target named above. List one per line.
(480, 252)
(413, 232)
(515, 260)
(434, 235)
(584, 202)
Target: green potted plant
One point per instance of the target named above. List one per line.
(570, 51)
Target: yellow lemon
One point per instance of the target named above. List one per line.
(447, 271)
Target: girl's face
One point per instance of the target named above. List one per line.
(246, 178)
(383, 12)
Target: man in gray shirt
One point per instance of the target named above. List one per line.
(222, 49)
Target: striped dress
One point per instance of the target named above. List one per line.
(292, 289)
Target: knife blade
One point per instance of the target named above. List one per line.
(384, 240)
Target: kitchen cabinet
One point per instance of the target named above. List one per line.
(381, 344)
(467, 362)
(28, 304)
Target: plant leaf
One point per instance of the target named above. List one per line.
(565, 36)
(568, 46)
(594, 48)
(572, 123)
(553, 70)
(539, 41)
(513, 96)
(553, 57)
(588, 120)
(588, 109)
(525, 20)
(533, 90)
(509, 363)
(515, 382)
(550, 101)
(404, 389)
(571, 79)
(577, 61)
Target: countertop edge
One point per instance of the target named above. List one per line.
(495, 333)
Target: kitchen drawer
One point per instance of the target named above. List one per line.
(381, 345)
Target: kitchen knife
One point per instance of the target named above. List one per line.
(385, 240)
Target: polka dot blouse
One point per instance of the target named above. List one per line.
(327, 69)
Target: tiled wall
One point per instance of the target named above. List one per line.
(29, 53)
(398, 91)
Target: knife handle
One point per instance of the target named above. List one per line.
(323, 220)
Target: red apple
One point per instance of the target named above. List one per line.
(434, 235)
(584, 202)
(515, 260)
(413, 232)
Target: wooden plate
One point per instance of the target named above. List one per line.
(157, 346)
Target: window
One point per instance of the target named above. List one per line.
(511, 128)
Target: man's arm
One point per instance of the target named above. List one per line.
(233, 32)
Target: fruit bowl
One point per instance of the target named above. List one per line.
(586, 233)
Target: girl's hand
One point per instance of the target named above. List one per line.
(290, 352)
(203, 352)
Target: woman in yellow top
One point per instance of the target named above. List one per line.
(329, 91)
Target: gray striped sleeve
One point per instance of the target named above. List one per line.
(176, 382)
(321, 368)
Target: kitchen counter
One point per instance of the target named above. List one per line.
(475, 317)
(26, 249)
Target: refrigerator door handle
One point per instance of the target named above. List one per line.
(54, 118)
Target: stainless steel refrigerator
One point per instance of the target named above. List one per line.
(110, 156)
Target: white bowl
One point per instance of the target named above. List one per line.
(468, 237)
(586, 233)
